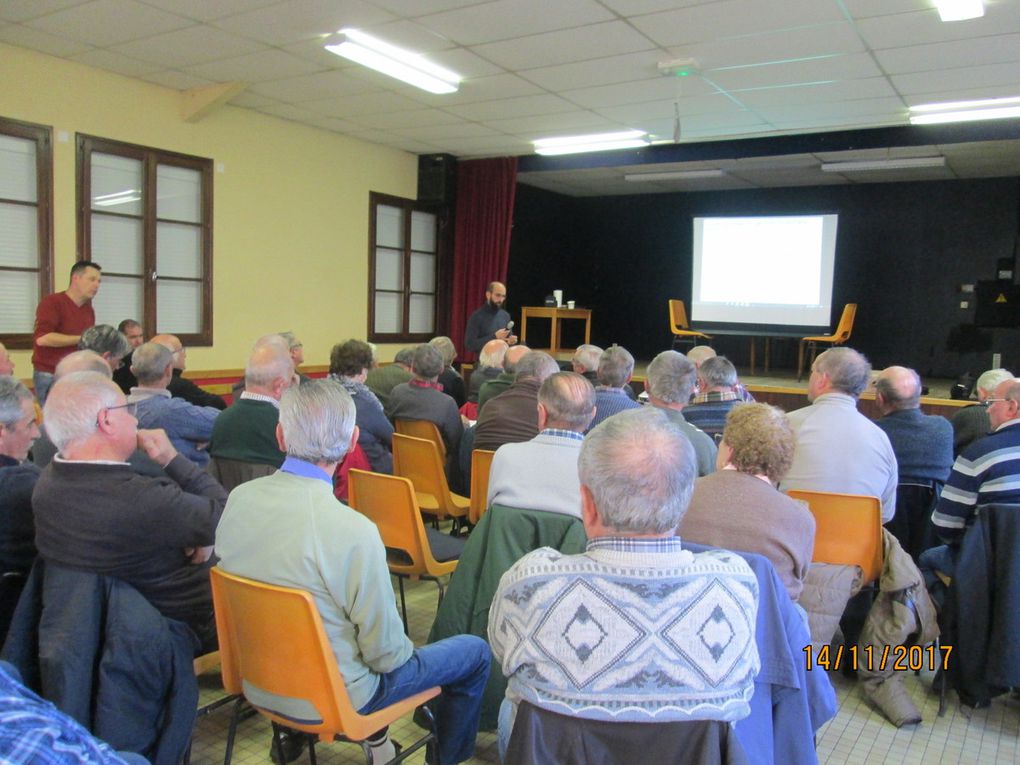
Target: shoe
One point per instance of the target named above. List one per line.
(385, 751)
(292, 743)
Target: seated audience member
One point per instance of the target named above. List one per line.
(490, 365)
(349, 363)
(616, 365)
(838, 448)
(716, 397)
(243, 444)
(502, 382)
(421, 398)
(123, 376)
(585, 362)
(108, 342)
(922, 443)
(512, 416)
(699, 354)
(541, 474)
(18, 431)
(670, 382)
(288, 529)
(382, 379)
(449, 378)
(189, 427)
(6, 362)
(93, 513)
(618, 633)
(738, 507)
(182, 387)
(971, 422)
(297, 354)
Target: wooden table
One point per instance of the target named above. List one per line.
(555, 316)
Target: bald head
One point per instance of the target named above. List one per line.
(82, 361)
(173, 344)
(513, 355)
(270, 369)
(567, 402)
(898, 388)
(699, 354)
(493, 353)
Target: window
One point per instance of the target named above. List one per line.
(26, 225)
(145, 216)
(403, 271)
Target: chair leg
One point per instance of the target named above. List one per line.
(403, 604)
(232, 733)
(442, 590)
(278, 743)
(311, 749)
(800, 361)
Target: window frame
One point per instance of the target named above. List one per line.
(43, 137)
(150, 158)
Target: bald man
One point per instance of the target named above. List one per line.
(490, 322)
(922, 443)
(179, 386)
(502, 382)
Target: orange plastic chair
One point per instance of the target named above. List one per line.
(848, 530)
(481, 463)
(389, 502)
(422, 429)
(419, 460)
(274, 649)
(680, 327)
(840, 336)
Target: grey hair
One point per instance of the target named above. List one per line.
(269, 362)
(149, 362)
(492, 354)
(615, 366)
(291, 340)
(536, 365)
(427, 362)
(718, 372)
(12, 393)
(317, 419)
(587, 356)
(82, 361)
(992, 379)
(275, 339)
(849, 371)
(446, 347)
(569, 400)
(102, 338)
(640, 470)
(699, 354)
(671, 377)
(896, 396)
(404, 356)
(72, 408)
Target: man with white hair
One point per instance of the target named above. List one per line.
(288, 529)
(670, 382)
(699, 354)
(93, 513)
(108, 342)
(716, 397)
(839, 449)
(501, 383)
(625, 632)
(971, 422)
(18, 431)
(616, 366)
(189, 427)
(180, 386)
(490, 364)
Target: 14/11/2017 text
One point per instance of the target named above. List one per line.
(898, 658)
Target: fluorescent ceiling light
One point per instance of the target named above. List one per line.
(982, 102)
(117, 198)
(959, 10)
(403, 65)
(866, 165)
(967, 115)
(577, 144)
(677, 175)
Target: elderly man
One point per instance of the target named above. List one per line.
(585, 361)
(502, 382)
(93, 513)
(541, 474)
(6, 362)
(699, 354)
(421, 398)
(625, 631)
(18, 431)
(513, 415)
(490, 322)
(288, 529)
(838, 448)
(922, 443)
(716, 397)
(616, 366)
(670, 382)
(108, 342)
(181, 387)
(189, 427)
(490, 365)
(449, 378)
(971, 422)
(383, 379)
(60, 319)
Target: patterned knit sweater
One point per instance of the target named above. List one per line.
(632, 630)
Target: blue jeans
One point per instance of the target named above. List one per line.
(41, 382)
(460, 666)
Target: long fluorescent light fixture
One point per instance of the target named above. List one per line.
(867, 165)
(395, 62)
(965, 111)
(578, 144)
(959, 10)
(117, 198)
(676, 175)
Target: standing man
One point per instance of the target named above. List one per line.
(124, 377)
(490, 321)
(60, 319)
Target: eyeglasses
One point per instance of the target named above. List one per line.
(989, 401)
(131, 408)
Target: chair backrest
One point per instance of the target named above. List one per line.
(481, 463)
(848, 530)
(422, 429)
(678, 316)
(418, 459)
(846, 323)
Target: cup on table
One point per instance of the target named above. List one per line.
(570, 304)
(558, 297)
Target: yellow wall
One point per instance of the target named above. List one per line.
(290, 233)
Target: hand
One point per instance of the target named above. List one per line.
(197, 555)
(511, 340)
(157, 446)
(502, 334)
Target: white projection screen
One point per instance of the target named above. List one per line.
(763, 272)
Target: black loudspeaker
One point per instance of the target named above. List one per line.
(437, 178)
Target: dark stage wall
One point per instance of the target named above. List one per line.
(903, 250)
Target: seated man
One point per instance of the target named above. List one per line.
(635, 629)
(738, 506)
(108, 342)
(502, 382)
(18, 477)
(421, 398)
(288, 529)
(449, 378)
(971, 422)
(541, 474)
(382, 379)
(93, 513)
(180, 386)
(512, 416)
(699, 354)
(490, 365)
(616, 366)
(132, 332)
(670, 383)
(922, 443)
(716, 397)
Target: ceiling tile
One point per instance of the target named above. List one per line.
(249, 100)
(311, 87)
(483, 89)
(950, 55)
(896, 152)
(512, 107)
(108, 22)
(362, 104)
(413, 8)
(786, 45)
(187, 47)
(175, 80)
(833, 68)
(254, 67)
(44, 42)
(209, 10)
(656, 88)
(713, 103)
(494, 145)
(554, 125)
(884, 109)
(627, 67)
(115, 62)
(289, 112)
(446, 132)
(862, 9)
(925, 26)
(410, 35)
(642, 7)
(1007, 76)
(297, 20)
(505, 19)
(825, 92)
(21, 10)
(422, 117)
(335, 125)
(580, 44)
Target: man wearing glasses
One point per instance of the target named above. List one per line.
(93, 513)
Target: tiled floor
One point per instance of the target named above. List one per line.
(858, 734)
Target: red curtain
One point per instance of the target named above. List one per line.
(481, 236)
